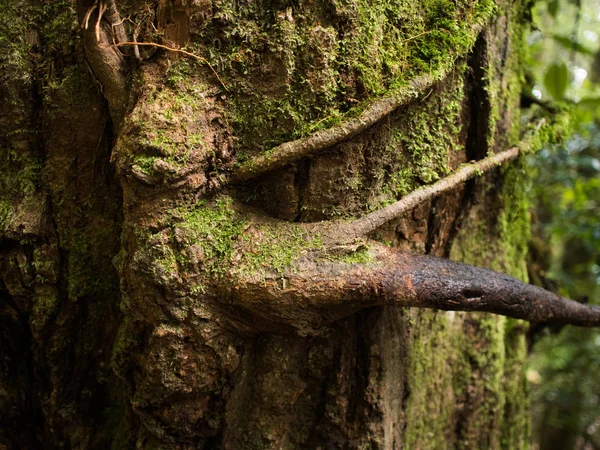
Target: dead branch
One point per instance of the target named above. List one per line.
(316, 292)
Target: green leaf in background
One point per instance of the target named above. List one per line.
(553, 7)
(591, 101)
(556, 80)
(571, 44)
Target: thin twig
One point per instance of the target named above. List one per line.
(370, 222)
(345, 232)
(101, 10)
(418, 35)
(86, 18)
(176, 50)
(293, 151)
(424, 33)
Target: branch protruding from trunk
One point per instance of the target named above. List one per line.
(317, 292)
(347, 232)
(370, 222)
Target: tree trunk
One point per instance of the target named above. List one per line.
(126, 235)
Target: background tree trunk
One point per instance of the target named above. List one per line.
(108, 338)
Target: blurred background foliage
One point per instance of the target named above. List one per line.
(564, 371)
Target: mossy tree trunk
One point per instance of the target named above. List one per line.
(125, 241)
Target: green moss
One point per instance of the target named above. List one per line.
(44, 309)
(472, 393)
(546, 131)
(210, 239)
(489, 346)
(431, 349)
(59, 30)
(213, 228)
(514, 223)
(15, 62)
(173, 150)
(493, 90)
(359, 256)
(21, 173)
(515, 425)
(276, 249)
(401, 182)
(6, 214)
(426, 138)
(24, 27)
(167, 123)
(224, 241)
(483, 347)
(500, 244)
(317, 66)
(179, 74)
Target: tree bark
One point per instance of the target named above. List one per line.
(184, 265)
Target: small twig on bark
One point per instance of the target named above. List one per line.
(101, 10)
(424, 33)
(418, 36)
(176, 50)
(86, 19)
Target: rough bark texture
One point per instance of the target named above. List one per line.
(122, 244)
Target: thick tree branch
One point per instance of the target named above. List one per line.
(316, 291)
